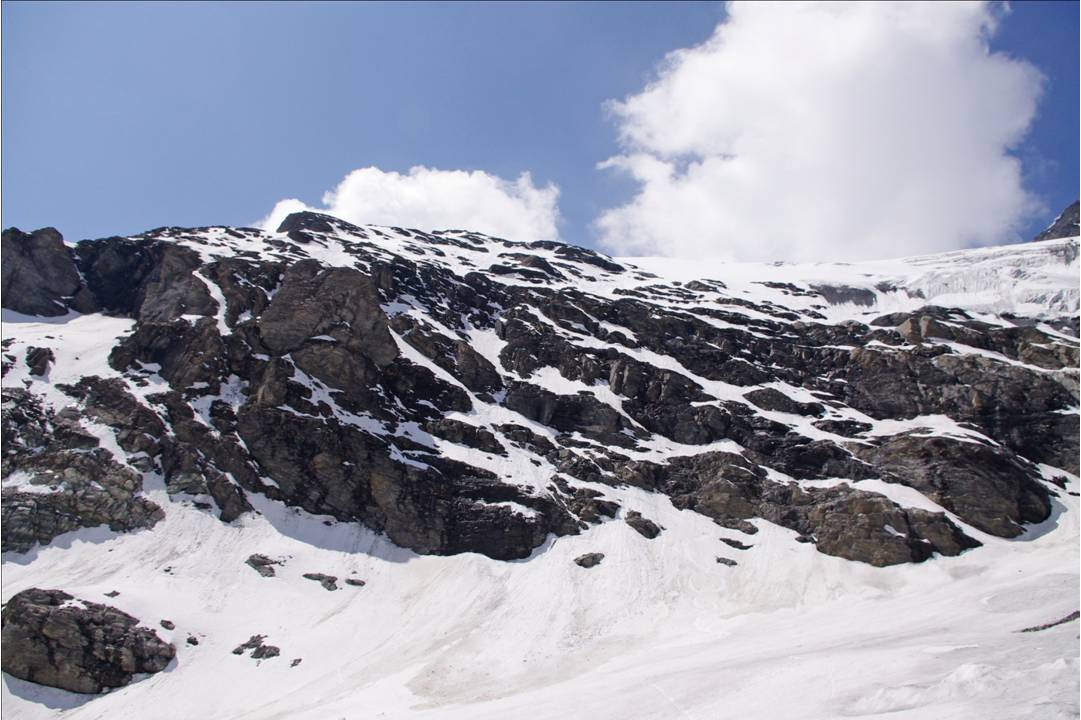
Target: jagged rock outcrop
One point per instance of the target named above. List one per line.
(643, 525)
(39, 274)
(52, 638)
(983, 485)
(57, 478)
(841, 521)
(462, 393)
(1066, 225)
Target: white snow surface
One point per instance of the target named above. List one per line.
(658, 629)
(1036, 279)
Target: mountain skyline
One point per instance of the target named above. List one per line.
(115, 146)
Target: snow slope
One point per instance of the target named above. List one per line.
(658, 629)
(1035, 279)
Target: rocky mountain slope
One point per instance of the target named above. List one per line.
(234, 412)
(1067, 224)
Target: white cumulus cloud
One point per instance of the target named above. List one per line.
(827, 131)
(430, 199)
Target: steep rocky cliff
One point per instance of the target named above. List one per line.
(462, 393)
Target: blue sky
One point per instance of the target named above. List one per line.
(122, 117)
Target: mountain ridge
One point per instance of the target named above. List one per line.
(457, 393)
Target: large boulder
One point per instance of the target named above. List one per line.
(39, 274)
(53, 639)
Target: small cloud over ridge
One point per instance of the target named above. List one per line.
(431, 199)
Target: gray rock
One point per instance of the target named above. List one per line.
(262, 564)
(569, 413)
(39, 360)
(259, 649)
(91, 489)
(847, 523)
(50, 638)
(329, 582)
(772, 399)
(983, 485)
(465, 434)
(588, 505)
(78, 484)
(643, 526)
(1061, 621)
(265, 652)
(313, 301)
(453, 355)
(1065, 225)
(39, 274)
(310, 222)
(589, 560)
(840, 294)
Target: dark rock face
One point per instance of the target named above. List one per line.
(328, 365)
(39, 360)
(151, 281)
(465, 434)
(848, 428)
(569, 413)
(53, 639)
(309, 221)
(1065, 225)
(838, 294)
(39, 274)
(336, 302)
(985, 486)
(443, 508)
(770, 399)
(848, 523)
(863, 526)
(453, 355)
(1011, 405)
(71, 483)
(643, 526)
